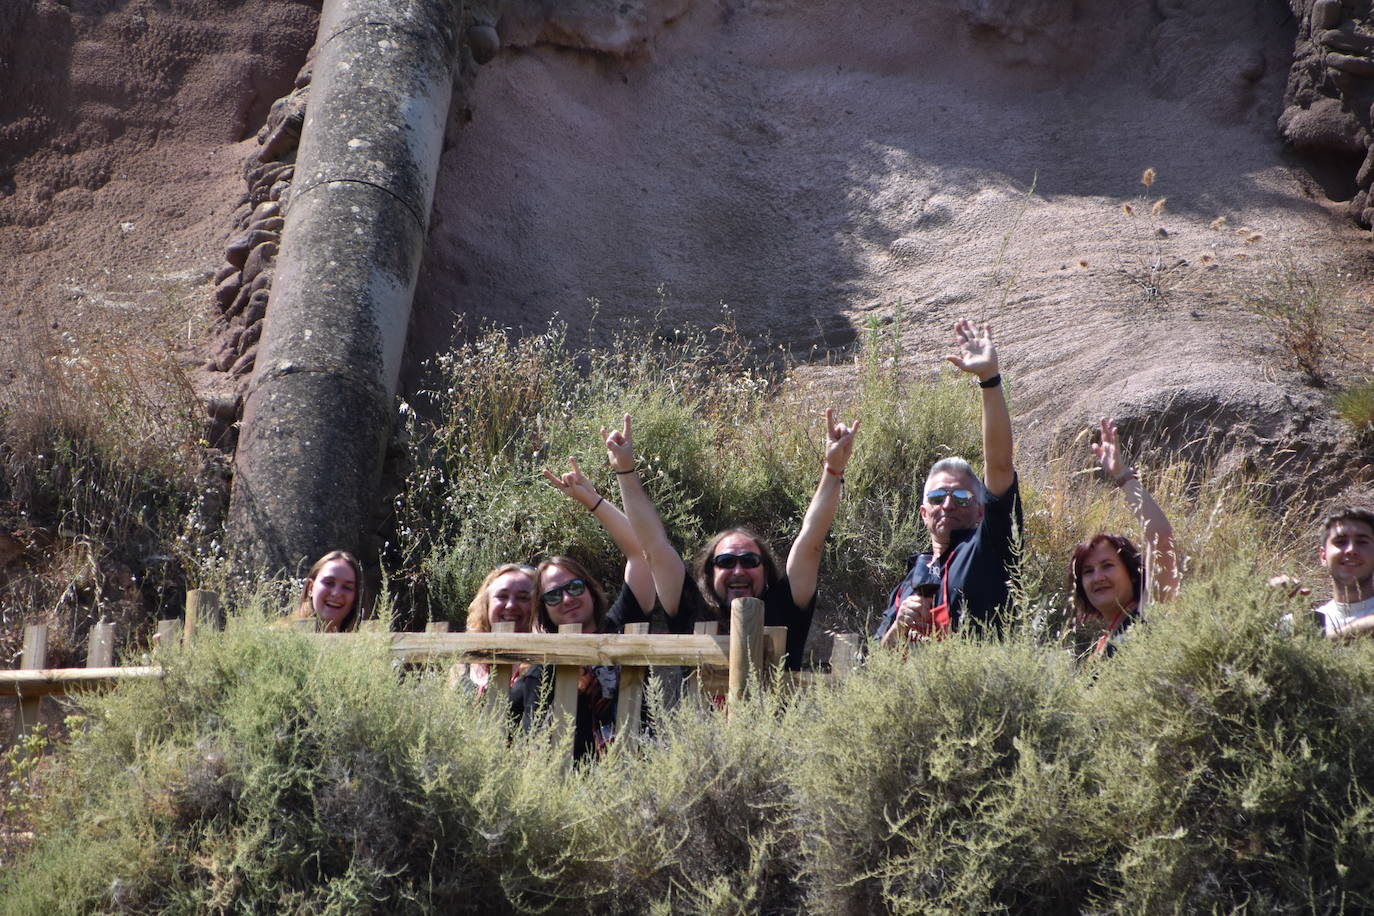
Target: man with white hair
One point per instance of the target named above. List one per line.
(966, 576)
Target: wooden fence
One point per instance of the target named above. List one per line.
(725, 665)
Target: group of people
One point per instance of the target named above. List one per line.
(962, 583)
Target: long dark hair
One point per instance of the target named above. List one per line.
(702, 565)
(1125, 551)
(542, 621)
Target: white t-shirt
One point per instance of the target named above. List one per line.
(1337, 615)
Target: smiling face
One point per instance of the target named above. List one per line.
(946, 518)
(333, 592)
(1105, 580)
(510, 598)
(579, 609)
(738, 582)
(1348, 555)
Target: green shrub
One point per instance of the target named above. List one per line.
(723, 435)
(1236, 760)
(105, 482)
(951, 782)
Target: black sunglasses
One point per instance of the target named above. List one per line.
(572, 588)
(729, 560)
(960, 496)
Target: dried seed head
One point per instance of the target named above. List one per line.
(1217, 223)
(1158, 207)
(1128, 209)
(1083, 263)
(1148, 178)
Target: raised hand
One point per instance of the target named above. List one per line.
(574, 484)
(977, 353)
(620, 450)
(1108, 452)
(839, 443)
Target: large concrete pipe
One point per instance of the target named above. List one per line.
(319, 407)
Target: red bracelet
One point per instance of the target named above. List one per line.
(830, 470)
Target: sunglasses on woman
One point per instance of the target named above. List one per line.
(572, 588)
(960, 496)
(730, 560)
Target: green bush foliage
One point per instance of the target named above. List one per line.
(723, 439)
(1220, 762)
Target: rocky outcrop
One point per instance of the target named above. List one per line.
(244, 282)
(1330, 93)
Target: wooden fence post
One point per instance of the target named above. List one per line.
(498, 676)
(202, 609)
(746, 645)
(100, 645)
(630, 704)
(565, 696)
(35, 656)
(437, 626)
(844, 654)
(775, 642)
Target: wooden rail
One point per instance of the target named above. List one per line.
(724, 665)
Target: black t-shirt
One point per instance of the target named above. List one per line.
(980, 564)
(779, 610)
(596, 705)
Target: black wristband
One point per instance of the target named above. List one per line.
(630, 471)
(992, 382)
(597, 505)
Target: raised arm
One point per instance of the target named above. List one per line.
(1161, 560)
(667, 567)
(978, 356)
(804, 559)
(638, 576)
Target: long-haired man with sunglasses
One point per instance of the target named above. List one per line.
(965, 577)
(737, 563)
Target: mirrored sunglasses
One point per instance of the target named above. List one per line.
(960, 496)
(572, 588)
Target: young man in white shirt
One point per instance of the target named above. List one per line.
(1347, 552)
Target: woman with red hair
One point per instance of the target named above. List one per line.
(1112, 580)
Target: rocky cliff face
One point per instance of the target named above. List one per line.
(812, 166)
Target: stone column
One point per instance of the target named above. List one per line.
(319, 407)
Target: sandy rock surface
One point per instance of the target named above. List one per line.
(814, 166)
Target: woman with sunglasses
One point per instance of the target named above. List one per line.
(737, 562)
(565, 593)
(1112, 583)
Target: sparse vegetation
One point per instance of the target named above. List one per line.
(1305, 310)
(1355, 405)
(105, 490)
(1215, 763)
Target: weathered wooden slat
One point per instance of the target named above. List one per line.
(202, 611)
(564, 722)
(35, 656)
(41, 682)
(498, 681)
(774, 650)
(630, 703)
(746, 644)
(561, 649)
(844, 655)
(100, 645)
